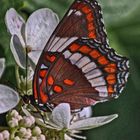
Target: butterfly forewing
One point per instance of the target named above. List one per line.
(77, 66)
(83, 19)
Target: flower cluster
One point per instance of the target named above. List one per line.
(21, 127)
(60, 124)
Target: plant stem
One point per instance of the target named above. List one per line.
(62, 135)
(17, 76)
(13, 131)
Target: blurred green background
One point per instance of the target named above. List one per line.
(122, 20)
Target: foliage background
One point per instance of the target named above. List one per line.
(122, 20)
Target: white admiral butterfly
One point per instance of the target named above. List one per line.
(77, 66)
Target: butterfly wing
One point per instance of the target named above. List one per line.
(77, 66)
(83, 19)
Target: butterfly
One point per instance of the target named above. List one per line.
(77, 66)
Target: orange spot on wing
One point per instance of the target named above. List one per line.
(85, 49)
(92, 35)
(111, 68)
(95, 54)
(111, 79)
(51, 58)
(91, 27)
(68, 82)
(90, 17)
(44, 98)
(74, 47)
(103, 60)
(35, 89)
(86, 9)
(110, 89)
(43, 95)
(42, 73)
(57, 89)
(50, 80)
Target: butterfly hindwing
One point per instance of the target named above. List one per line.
(83, 71)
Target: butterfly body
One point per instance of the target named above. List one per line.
(77, 66)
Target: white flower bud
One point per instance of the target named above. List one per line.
(5, 134)
(36, 131)
(1, 136)
(14, 113)
(19, 117)
(13, 123)
(22, 132)
(41, 137)
(26, 122)
(28, 134)
(32, 119)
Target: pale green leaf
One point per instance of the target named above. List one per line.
(8, 98)
(94, 122)
(18, 51)
(61, 115)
